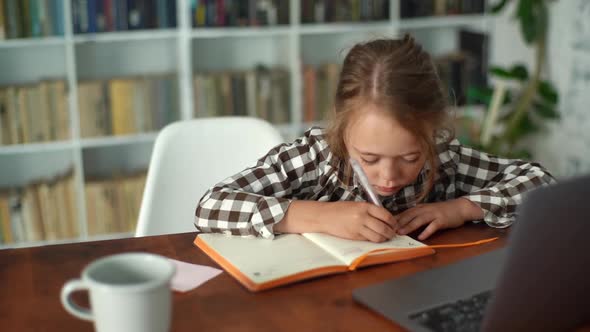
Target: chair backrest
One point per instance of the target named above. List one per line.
(191, 156)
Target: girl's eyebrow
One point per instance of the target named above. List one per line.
(367, 153)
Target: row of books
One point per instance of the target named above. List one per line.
(222, 13)
(262, 92)
(46, 210)
(319, 89)
(112, 206)
(92, 16)
(31, 18)
(319, 11)
(425, 8)
(125, 106)
(34, 113)
(41, 18)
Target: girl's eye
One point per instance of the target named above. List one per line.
(369, 161)
(412, 160)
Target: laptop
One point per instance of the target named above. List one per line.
(539, 282)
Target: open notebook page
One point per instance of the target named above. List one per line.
(264, 260)
(348, 250)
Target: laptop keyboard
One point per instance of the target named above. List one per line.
(461, 316)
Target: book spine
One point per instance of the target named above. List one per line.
(220, 13)
(34, 12)
(85, 16)
(60, 194)
(12, 15)
(24, 19)
(98, 18)
(250, 93)
(108, 10)
(121, 15)
(133, 14)
(16, 216)
(121, 94)
(3, 25)
(46, 17)
(200, 15)
(57, 14)
(5, 220)
(171, 11)
(151, 14)
(162, 14)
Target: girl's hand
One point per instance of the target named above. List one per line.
(441, 215)
(358, 221)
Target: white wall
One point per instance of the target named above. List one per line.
(565, 147)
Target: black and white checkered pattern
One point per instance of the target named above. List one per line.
(252, 201)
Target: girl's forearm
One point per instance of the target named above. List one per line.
(302, 217)
(469, 210)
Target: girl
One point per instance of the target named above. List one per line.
(391, 115)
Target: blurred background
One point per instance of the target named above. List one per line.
(85, 86)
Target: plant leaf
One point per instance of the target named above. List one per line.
(520, 72)
(546, 111)
(481, 95)
(516, 72)
(548, 92)
(501, 72)
(541, 14)
(525, 127)
(499, 6)
(527, 20)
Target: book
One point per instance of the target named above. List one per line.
(2, 20)
(260, 264)
(5, 223)
(16, 216)
(59, 101)
(121, 94)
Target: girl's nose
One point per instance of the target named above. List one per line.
(389, 173)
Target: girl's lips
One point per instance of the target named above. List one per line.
(387, 189)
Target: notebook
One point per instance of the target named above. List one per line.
(260, 264)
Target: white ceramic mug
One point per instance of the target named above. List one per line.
(128, 292)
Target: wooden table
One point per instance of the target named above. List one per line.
(31, 279)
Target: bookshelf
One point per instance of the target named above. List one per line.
(182, 52)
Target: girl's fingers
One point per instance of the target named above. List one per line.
(429, 230)
(418, 221)
(371, 235)
(407, 216)
(381, 228)
(384, 216)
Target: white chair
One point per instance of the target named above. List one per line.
(191, 156)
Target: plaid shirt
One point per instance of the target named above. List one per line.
(254, 200)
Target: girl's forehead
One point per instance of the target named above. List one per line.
(380, 133)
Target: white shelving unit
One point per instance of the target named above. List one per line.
(182, 51)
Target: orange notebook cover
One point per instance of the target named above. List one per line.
(261, 264)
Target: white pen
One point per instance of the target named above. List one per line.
(358, 170)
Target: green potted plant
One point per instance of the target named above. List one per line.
(520, 102)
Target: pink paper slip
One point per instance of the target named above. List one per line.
(189, 276)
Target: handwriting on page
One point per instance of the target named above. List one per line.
(399, 242)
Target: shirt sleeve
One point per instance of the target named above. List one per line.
(254, 200)
(496, 184)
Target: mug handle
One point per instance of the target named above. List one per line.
(74, 309)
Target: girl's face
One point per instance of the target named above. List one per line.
(390, 155)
